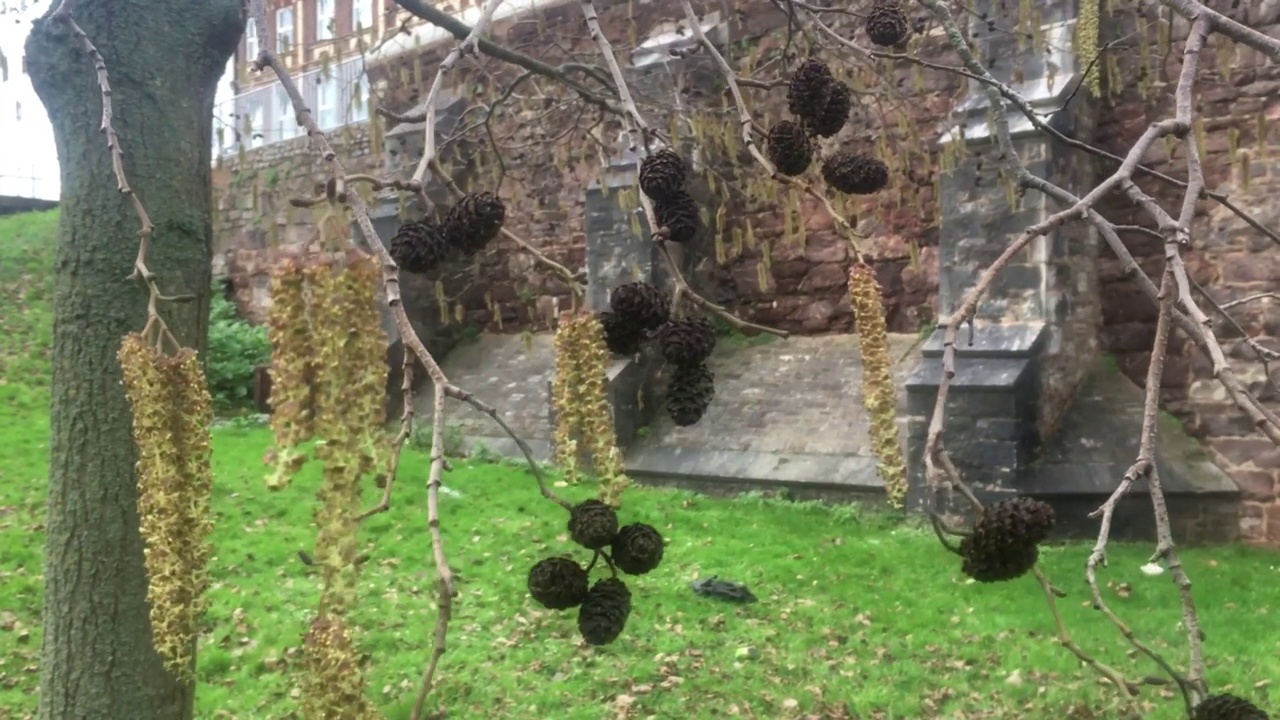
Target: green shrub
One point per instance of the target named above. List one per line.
(236, 348)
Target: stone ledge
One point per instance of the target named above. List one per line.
(719, 472)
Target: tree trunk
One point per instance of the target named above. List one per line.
(164, 58)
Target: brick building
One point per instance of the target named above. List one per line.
(781, 263)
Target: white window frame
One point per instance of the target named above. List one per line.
(251, 49)
(361, 15)
(286, 118)
(286, 30)
(359, 108)
(327, 97)
(325, 17)
(257, 123)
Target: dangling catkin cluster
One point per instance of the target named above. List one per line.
(334, 681)
(421, 245)
(878, 394)
(292, 367)
(561, 583)
(172, 413)
(1087, 29)
(329, 312)
(582, 404)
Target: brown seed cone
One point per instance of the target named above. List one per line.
(789, 148)
(604, 612)
(662, 174)
(419, 247)
(474, 222)
(689, 394)
(879, 395)
(886, 23)
(835, 113)
(558, 583)
(678, 213)
(688, 341)
(637, 549)
(855, 174)
(641, 304)
(808, 90)
(593, 524)
(1228, 707)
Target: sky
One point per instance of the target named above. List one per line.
(28, 158)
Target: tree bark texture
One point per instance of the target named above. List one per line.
(164, 58)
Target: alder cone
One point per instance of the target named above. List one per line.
(419, 247)
(1003, 545)
(641, 304)
(886, 23)
(593, 524)
(558, 583)
(808, 90)
(603, 615)
(689, 394)
(855, 174)
(835, 113)
(474, 222)
(1228, 707)
(662, 174)
(688, 341)
(678, 213)
(637, 549)
(789, 148)
(621, 336)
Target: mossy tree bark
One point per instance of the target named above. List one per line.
(164, 58)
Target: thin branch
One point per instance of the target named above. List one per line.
(641, 136)
(467, 45)
(746, 123)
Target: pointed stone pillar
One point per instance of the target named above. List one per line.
(1036, 332)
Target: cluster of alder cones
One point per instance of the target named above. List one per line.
(663, 176)
(638, 313)
(1004, 543)
(821, 105)
(561, 583)
(422, 245)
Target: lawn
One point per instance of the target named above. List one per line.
(860, 616)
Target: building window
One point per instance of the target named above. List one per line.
(361, 15)
(327, 102)
(286, 119)
(284, 30)
(251, 40)
(324, 19)
(255, 123)
(359, 102)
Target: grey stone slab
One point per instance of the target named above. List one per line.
(755, 467)
(972, 374)
(1005, 340)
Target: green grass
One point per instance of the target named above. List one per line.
(859, 616)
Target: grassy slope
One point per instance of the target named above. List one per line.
(854, 610)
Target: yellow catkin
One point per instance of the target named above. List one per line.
(291, 370)
(334, 681)
(566, 399)
(172, 413)
(1087, 30)
(878, 394)
(597, 414)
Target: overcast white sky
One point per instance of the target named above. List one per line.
(26, 138)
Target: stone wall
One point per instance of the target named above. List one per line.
(776, 258)
(1229, 259)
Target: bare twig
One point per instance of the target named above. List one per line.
(409, 337)
(641, 135)
(747, 123)
(146, 229)
(466, 46)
